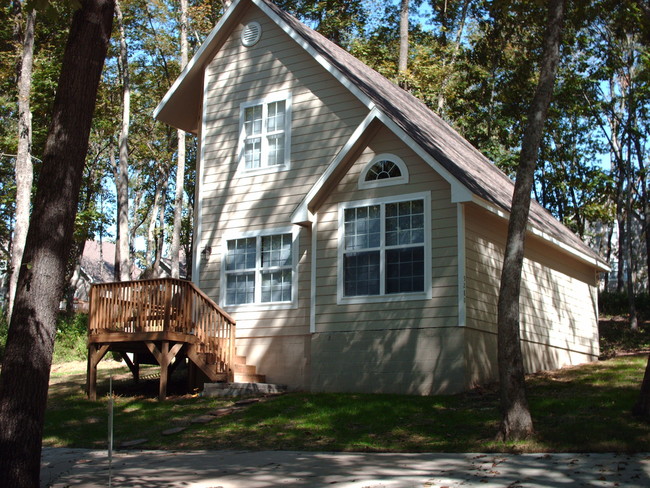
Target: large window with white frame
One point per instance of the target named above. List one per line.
(259, 269)
(385, 248)
(265, 132)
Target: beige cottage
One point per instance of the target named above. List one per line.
(357, 238)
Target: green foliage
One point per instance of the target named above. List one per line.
(70, 341)
(611, 304)
(616, 336)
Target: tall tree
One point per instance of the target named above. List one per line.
(121, 170)
(28, 354)
(24, 168)
(180, 170)
(516, 420)
(402, 63)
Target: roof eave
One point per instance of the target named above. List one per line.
(590, 259)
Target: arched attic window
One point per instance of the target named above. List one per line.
(384, 170)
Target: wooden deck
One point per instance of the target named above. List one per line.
(155, 321)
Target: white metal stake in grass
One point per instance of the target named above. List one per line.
(110, 429)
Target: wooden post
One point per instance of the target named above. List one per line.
(164, 357)
(95, 355)
(164, 369)
(134, 365)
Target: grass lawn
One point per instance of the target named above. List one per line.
(585, 408)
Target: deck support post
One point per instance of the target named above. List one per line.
(134, 365)
(96, 353)
(164, 356)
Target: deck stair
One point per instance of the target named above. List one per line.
(163, 321)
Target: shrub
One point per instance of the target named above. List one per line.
(612, 303)
(71, 335)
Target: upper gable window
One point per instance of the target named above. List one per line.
(384, 170)
(265, 134)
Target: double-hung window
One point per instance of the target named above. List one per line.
(265, 134)
(384, 248)
(259, 269)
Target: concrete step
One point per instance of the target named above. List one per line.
(249, 378)
(241, 389)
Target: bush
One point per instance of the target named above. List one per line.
(71, 335)
(616, 336)
(611, 304)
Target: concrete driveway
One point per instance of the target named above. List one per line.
(238, 469)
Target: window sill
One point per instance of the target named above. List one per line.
(243, 173)
(255, 307)
(401, 297)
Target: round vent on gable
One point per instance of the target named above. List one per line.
(251, 33)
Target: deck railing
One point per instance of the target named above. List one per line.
(163, 305)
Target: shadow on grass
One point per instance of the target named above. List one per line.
(579, 409)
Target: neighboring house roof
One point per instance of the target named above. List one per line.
(98, 261)
(166, 266)
(447, 151)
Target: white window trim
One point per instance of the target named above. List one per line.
(257, 305)
(276, 97)
(398, 180)
(393, 297)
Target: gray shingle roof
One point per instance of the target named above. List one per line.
(434, 135)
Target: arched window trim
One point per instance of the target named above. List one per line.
(396, 180)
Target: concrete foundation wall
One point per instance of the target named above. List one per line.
(283, 359)
(422, 361)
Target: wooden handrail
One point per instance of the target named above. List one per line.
(163, 305)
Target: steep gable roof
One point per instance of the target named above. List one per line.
(490, 187)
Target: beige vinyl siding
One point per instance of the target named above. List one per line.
(442, 309)
(558, 293)
(323, 116)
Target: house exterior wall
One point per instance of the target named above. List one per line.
(324, 114)
(405, 346)
(558, 305)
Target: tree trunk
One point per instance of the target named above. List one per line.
(24, 168)
(642, 406)
(402, 62)
(160, 235)
(122, 181)
(28, 354)
(516, 421)
(152, 249)
(180, 170)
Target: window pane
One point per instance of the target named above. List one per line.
(361, 273)
(253, 153)
(405, 223)
(275, 117)
(276, 286)
(276, 149)
(405, 270)
(276, 250)
(382, 170)
(253, 120)
(241, 254)
(362, 227)
(240, 288)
